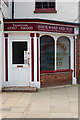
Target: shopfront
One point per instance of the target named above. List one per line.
(40, 53)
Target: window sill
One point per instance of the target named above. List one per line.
(56, 71)
(45, 11)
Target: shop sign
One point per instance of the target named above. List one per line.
(38, 27)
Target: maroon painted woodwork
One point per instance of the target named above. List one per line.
(48, 10)
(37, 27)
(32, 58)
(6, 59)
(37, 35)
(31, 34)
(39, 21)
(45, 11)
(55, 71)
(6, 35)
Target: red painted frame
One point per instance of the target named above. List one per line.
(6, 59)
(38, 20)
(56, 71)
(48, 10)
(37, 35)
(32, 55)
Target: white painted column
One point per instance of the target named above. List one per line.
(1, 61)
(35, 60)
(74, 73)
(72, 53)
(32, 65)
(33, 71)
(55, 52)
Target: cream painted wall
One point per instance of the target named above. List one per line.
(66, 11)
(6, 10)
(1, 53)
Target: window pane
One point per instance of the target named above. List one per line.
(45, 4)
(18, 49)
(46, 53)
(63, 53)
(38, 5)
(51, 5)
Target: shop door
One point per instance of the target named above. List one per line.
(20, 63)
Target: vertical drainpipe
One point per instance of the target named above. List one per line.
(12, 9)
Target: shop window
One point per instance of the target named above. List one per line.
(47, 53)
(45, 6)
(63, 53)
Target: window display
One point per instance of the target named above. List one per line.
(47, 53)
(63, 53)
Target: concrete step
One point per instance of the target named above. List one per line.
(19, 89)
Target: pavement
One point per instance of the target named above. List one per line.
(50, 102)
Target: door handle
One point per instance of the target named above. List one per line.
(28, 61)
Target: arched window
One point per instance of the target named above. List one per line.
(63, 53)
(47, 53)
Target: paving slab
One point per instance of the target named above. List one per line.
(58, 102)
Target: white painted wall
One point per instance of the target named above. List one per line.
(1, 52)
(66, 11)
(79, 38)
(6, 10)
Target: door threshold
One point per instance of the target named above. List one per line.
(20, 89)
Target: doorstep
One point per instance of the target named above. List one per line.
(20, 89)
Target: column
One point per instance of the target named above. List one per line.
(38, 61)
(55, 51)
(74, 78)
(32, 56)
(6, 57)
(35, 71)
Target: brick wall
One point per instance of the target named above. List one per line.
(56, 79)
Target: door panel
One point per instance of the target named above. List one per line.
(14, 77)
(23, 77)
